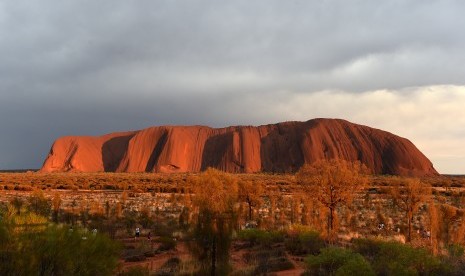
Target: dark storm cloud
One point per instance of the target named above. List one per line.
(90, 67)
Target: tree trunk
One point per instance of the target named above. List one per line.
(331, 219)
(410, 217)
(213, 272)
(250, 211)
(55, 216)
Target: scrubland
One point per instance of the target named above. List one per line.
(241, 224)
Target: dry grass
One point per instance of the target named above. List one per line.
(146, 182)
(120, 198)
(167, 192)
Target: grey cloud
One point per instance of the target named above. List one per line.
(91, 67)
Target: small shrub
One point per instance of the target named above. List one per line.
(167, 243)
(368, 248)
(304, 243)
(393, 258)
(455, 251)
(267, 260)
(261, 237)
(337, 261)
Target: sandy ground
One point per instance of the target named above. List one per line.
(156, 262)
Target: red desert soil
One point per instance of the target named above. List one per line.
(282, 147)
(156, 262)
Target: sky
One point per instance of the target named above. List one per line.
(93, 67)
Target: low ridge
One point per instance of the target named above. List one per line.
(282, 147)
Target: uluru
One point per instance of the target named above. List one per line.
(274, 148)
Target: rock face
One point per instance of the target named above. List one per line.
(282, 147)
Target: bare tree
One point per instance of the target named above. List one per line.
(295, 209)
(251, 193)
(408, 194)
(332, 183)
(271, 198)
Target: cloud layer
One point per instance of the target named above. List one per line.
(99, 66)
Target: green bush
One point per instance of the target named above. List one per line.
(304, 243)
(355, 266)
(261, 237)
(393, 258)
(455, 251)
(368, 248)
(455, 259)
(399, 259)
(53, 250)
(337, 261)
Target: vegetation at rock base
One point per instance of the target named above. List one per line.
(238, 224)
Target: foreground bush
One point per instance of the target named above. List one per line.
(54, 250)
(337, 261)
(399, 259)
(393, 258)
